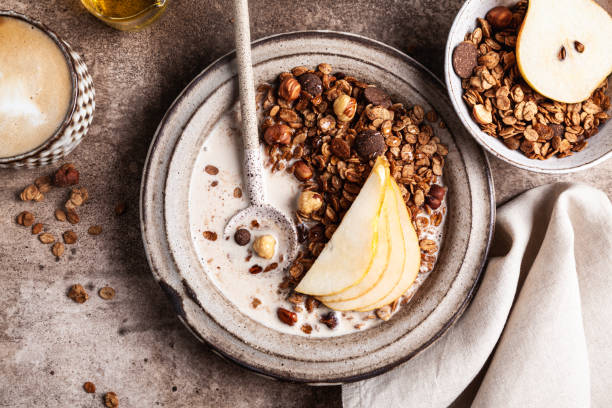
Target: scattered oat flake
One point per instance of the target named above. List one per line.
(306, 328)
(210, 235)
(60, 215)
(37, 228)
(94, 230)
(212, 170)
(58, 249)
(46, 238)
(255, 303)
(89, 387)
(237, 192)
(255, 224)
(70, 237)
(106, 293)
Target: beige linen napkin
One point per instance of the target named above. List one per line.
(545, 301)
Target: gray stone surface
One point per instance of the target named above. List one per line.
(134, 345)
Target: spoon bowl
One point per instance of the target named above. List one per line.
(272, 219)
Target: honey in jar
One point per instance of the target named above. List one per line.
(126, 14)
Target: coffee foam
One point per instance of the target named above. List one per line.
(35, 87)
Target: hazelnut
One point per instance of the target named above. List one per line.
(345, 108)
(499, 17)
(67, 175)
(302, 171)
(289, 89)
(435, 196)
(278, 133)
(309, 202)
(264, 246)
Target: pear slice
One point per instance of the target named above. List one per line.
(412, 260)
(563, 48)
(381, 258)
(347, 256)
(394, 271)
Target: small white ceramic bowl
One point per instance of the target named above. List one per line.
(599, 147)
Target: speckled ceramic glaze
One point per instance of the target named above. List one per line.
(600, 145)
(80, 112)
(216, 321)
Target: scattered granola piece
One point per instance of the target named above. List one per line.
(255, 269)
(37, 228)
(89, 387)
(210, 235)
(60, 215)
(67, 175)
(94, 230)
(212, 170)
(78, 293)
(111, 400)
(70, 237)
(46, 238)
(43, 183)
(58, 249)
(255, 303)
(271, 267)
(31, 193)
(306, 328)
(106, 293)
(25, 218)
(72, 216)
(286, 316)
(329, 319)
(237, 192)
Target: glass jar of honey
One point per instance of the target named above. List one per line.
(126, 14)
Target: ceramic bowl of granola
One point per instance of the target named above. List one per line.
(524, 129)
(231, 293)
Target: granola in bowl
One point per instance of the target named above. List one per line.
(321, 131)
(505, 107)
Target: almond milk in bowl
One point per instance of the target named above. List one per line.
(230, 297)
(46, 94)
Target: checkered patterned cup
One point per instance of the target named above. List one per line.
(79, 115)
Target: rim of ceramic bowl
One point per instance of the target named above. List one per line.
(456, 98)
(148, 196)
(73, 80)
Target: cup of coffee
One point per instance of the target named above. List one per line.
(46, 94)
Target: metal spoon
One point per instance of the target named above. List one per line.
(259, 210)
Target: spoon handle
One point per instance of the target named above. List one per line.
(252, 154)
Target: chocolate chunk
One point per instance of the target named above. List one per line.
(311, 83)
(377, 96)
(242, 237)
(370, 144)
(465, 59)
